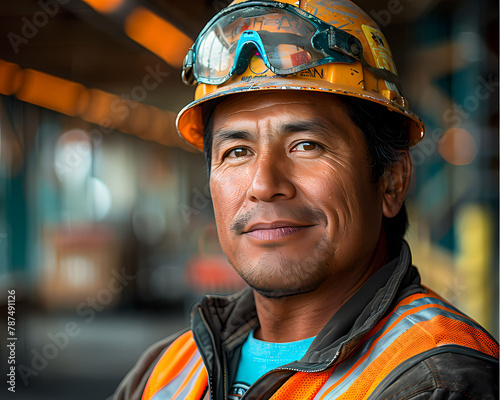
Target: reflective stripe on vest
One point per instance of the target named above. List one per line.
(179, 374)
(419, 323)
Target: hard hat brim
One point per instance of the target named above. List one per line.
(190, 120)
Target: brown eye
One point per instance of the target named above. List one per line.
(305, 146)
(239, 152)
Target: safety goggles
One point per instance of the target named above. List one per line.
(286, 38)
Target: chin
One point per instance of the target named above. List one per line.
(277, 288)
(275, 276)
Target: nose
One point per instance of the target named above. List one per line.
(271, 180)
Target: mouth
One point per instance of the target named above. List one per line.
(275, 230)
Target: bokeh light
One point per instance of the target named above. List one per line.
(458, 147)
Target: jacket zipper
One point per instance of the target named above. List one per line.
(224, 372)
(210, 387)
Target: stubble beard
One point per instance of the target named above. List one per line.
(284, 277)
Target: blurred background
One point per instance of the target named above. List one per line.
(106, 225)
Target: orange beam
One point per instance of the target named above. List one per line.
(51, 92)
(105, 6)
(158, 35)
(11, 78)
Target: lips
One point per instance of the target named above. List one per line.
(274, 230)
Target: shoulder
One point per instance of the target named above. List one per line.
(132, 386)
(444, 376)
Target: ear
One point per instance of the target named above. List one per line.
(396, 182)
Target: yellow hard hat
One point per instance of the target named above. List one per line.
(313, 45)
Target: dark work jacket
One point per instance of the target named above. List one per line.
(220, 325)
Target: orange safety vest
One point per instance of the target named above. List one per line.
(419, 323)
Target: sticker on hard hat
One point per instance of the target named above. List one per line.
(380, 48)
(312, 73)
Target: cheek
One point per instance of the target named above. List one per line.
(343, 189)
(228, 197)
(330, 179)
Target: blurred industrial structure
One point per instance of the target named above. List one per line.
(106, 221)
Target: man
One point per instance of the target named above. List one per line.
(306, 135)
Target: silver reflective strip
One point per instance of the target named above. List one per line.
(189, 386)
(167, 392)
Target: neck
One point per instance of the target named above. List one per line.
(302, 316)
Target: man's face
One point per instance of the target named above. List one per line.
(291, 186)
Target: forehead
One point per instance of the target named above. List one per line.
(295, 101)
(272, 110)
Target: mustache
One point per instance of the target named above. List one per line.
(300, 213)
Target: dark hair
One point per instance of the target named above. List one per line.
(386, 136)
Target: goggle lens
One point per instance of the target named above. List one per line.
(284, 40)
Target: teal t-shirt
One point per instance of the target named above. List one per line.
(258, 357)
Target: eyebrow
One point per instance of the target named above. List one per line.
(223, 135)
(310, 125)
(316, 128)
